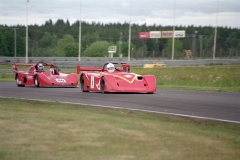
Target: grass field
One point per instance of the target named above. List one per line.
(212, 78)
(46, 130)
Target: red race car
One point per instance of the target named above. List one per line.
(109, 78)
(37, 76)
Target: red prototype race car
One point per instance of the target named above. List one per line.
(112, 79)
(37, 76)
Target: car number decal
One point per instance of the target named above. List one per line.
(92, 81)
(29, 77)
(60, 80)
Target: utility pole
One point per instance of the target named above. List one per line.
(129, 36)
(194, 43)
(120, 45)
(27, 32)
(80, 33)
(201, 54)
(173, 38)
(15, 42)
(215, 35)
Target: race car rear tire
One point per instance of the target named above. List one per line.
(17, 82)
(36, 81)
(82, 84)
(103, 85)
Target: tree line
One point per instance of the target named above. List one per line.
(61, 39)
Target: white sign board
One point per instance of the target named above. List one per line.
(155, 34)
(112, 49)
(179, 34)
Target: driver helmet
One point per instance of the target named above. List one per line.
(110, 68)
(40, 67)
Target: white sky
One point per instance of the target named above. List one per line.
(187, 12)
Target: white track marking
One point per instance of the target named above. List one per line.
(94, 105)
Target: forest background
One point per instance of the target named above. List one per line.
(60, 39)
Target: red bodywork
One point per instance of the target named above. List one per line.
(50, 78)
(121, 80)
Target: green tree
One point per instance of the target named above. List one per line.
(3, 46)
(97, 49)
(46, 40)
(140, 52)
(21, 49)
(71, 50)
(62, 43)
(178, 49)
(10, 43)
(125, 49)
(89, 38)
(238, 47)
(232, 40)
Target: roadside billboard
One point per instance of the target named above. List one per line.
(162, 34)
(179, 34)
(155, 34)
(167, 34)
(144, 35)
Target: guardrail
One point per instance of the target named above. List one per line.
(99, 61)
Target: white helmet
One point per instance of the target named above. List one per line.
(40, 67)
(110, 68)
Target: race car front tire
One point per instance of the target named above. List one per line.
(102, 85)
(36, 81)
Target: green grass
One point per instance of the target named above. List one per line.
(46, 130)
(212, 78)
(7, 77)
(225, 78)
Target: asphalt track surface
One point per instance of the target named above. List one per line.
(222, 106)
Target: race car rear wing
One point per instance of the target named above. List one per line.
(126, 68)
(14, 65)
(79, 69)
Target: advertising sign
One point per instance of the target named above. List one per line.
(162, 34)
(144, 35)
(155, 34)
(167, 34)
(179, 34)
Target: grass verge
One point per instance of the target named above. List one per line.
(46, 130)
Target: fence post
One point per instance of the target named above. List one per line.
(220, 53)
(230, 53)
(163, 54)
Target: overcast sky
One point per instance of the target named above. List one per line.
(187, 12)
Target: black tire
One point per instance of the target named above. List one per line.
(36, 81)
(103, 85)
(17, 82)
(149, 92)
(82, 84)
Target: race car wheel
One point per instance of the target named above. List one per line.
(102, 85)
(17, 82)
(82, 84)
(36, 81)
